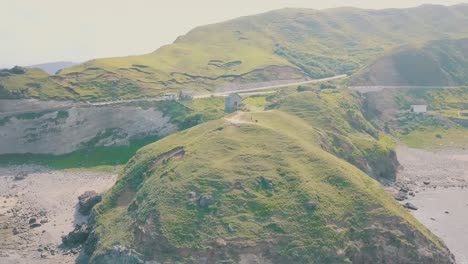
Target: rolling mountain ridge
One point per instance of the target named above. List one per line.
(282, 45)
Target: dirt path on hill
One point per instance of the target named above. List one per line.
(236, 119)
(436, 182)
(48, 197)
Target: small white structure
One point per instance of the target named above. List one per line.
(186, 95)
(169, 97)
(419, 108)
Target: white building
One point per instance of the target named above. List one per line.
(419, 108)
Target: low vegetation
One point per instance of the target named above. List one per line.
(437, 138)
(437, 63)
(287, 44)
(269, 183)
(183, 114)
(443, 127)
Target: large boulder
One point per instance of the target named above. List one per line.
(87, 201)
(77, 237)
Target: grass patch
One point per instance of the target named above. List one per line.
(256, 103)
(437, 138)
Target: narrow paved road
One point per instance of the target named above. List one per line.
(376, 88)
(200, 96)
(221, 94)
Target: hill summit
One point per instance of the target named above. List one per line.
(275, 47)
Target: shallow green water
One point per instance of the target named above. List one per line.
(84, 158)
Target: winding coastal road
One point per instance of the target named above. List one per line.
(376, 88)
(251, 91)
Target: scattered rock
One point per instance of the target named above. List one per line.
(231, 229)
(447, 212)
(238, 185)
(87, 201)
(221, 242)
(43, 221)
(35, 225)
(192, 196)
(77, 237)
(20, 176)
(401, 197)
(404, 190)
(205, 201)
(311, 206)
(265, 183)
(427, 182)
(42, 212)
(32, 221)
(433, 219)
(120, 254)
(410, 206)
(15, 231)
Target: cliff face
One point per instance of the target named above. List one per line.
(344, 131)
(69, 129)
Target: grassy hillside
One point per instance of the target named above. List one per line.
(287, 44)
(259, 185)
(445, 125)
(20, 82)
(53, 67)
(438, 63)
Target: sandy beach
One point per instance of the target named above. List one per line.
(445, 213)
(35, 212)
(439, 182)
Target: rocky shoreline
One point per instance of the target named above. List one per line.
(433, 185)
(39, 206)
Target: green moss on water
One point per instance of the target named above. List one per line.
(83, 158)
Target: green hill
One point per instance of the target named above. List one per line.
(262, 186)
(438, 63)
(287, 44)
(21, 82)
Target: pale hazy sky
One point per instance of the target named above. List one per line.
(37, 31)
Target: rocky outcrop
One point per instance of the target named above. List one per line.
(87, 201)
(380, 247)
(383, 167)
(77, 237)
